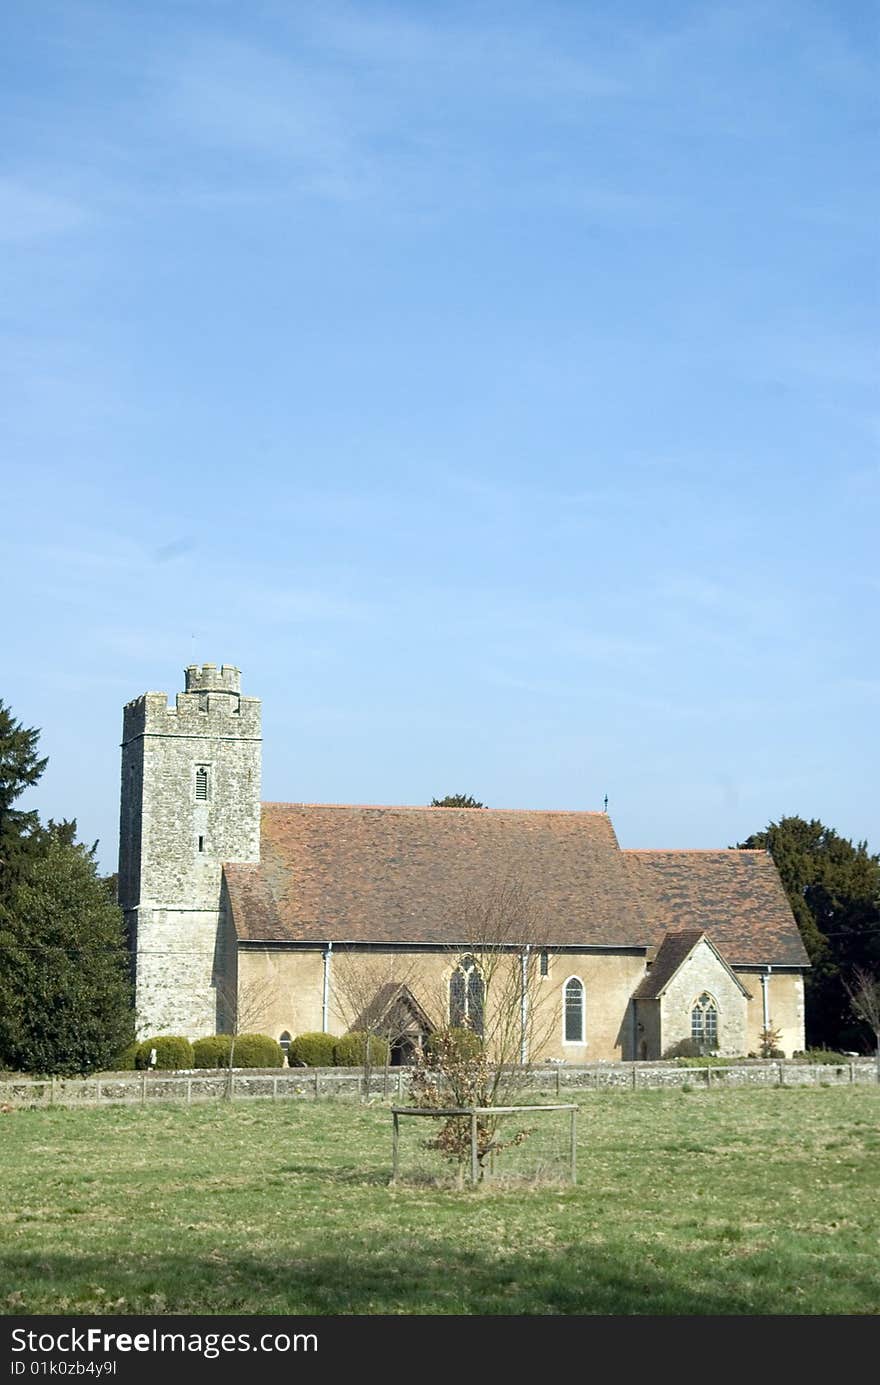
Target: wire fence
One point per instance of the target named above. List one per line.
(498, 1145)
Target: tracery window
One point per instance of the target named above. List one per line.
(467, 996)
(704, 1021)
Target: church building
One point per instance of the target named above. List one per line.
(627, 952)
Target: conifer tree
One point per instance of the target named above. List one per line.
(65, 993)
(833, 886)
(20, 768)
(65, 989)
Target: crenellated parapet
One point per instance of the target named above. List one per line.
(203, 712)
(208, 678)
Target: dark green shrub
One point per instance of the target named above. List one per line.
(824, 1055)
(211, 1052)
(685, 1048)
(257, 1051)
(689, 1048)
(126, 1060)
(351, 1051)
(172, 1051)
(313, 1050)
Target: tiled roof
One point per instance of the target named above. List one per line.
(410, 875)
(736, 897)
(393, 1006)
(674, 950)
(355, 874)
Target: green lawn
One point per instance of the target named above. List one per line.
(687, 1202)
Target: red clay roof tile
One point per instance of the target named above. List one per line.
(404, 875)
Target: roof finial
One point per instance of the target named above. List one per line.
(606, 803)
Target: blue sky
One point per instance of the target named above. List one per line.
(495, 384)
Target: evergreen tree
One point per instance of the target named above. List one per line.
(21, 837)
(65, 1001)
(65, 990)
(456, 800)
(833, 887)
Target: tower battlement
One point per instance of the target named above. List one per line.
(208, 678)
(201, 710)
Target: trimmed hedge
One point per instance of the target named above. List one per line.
(250, 1051)
(172, 1051)
(211, 1052)
(351, 1050)
(314, 1050)
(257, 1051)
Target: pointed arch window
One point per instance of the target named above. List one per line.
(467, 996)
(573, 1011)
(704, 1021)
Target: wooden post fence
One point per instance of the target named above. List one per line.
(574, 1144)
(395, 1147)
(475, 1167)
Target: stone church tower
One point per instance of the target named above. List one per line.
(190, 801)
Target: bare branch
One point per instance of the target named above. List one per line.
(499, 1017)
(374, 994)
(246, 1006)
(863, 989)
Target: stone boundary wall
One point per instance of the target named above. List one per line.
(139, 1088)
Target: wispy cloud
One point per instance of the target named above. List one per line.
(355, 106)
(232, 96)
(278, 604)
(813, 357)
(176, 548)
(29, 213)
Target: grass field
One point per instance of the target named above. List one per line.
(687, 1202)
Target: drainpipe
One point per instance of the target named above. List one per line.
(325, 994)
(524, 1004)
(765, 984)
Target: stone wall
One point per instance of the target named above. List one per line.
(309, 1083)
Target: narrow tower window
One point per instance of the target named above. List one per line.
(545, 962)
(201, 843)
(201, 784)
